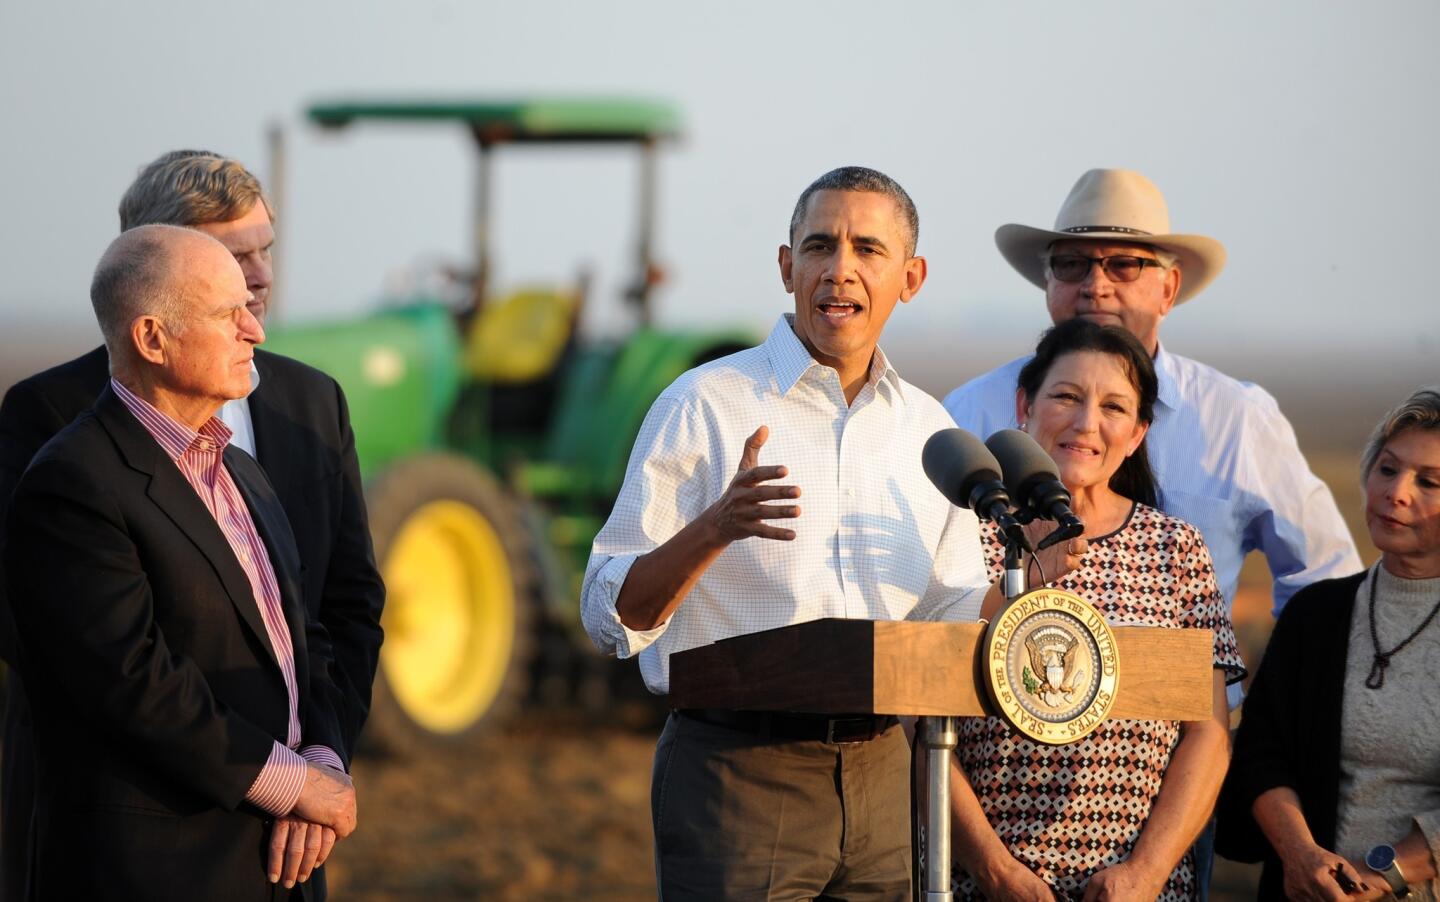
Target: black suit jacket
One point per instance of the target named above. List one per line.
(155, 693)
(304, 442)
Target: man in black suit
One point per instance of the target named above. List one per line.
(295, 422)
(181, 696)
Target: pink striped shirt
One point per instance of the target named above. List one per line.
(200, 458)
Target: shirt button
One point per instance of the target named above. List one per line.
(850, 492)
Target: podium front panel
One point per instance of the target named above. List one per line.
(838, 666)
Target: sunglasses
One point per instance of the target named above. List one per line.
(1119, 268)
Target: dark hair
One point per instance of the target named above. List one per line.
(859, 178)
(1134, 480)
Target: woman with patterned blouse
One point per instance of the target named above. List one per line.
(1113, 815)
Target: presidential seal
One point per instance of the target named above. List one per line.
(1051, 666)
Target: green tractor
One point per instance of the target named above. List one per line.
(493, 439)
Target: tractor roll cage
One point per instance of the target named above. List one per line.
(643, 123)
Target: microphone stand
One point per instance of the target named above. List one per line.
(939, 736)
(1014, 584)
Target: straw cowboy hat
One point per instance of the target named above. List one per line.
(1120, 206)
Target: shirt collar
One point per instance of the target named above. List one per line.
(882, 371)
(174, 437)
(1168, 391)
(790, 359)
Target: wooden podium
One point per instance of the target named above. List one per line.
(839, 666)
(933, 670)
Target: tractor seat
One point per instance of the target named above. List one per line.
(519, 338)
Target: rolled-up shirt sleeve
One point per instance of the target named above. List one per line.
(666, 486)
(603, 578)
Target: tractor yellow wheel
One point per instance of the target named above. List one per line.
(458, 600)
(450, 618)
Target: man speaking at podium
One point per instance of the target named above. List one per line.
(775, 486)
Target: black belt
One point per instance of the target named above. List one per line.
(781, 725)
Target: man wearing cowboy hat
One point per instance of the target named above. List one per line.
(1225, 457)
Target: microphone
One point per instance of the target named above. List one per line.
(965, 472)
(1034, 482)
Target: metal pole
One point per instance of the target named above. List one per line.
(1014, 572)
(940, 736)
(481, 235)
(645, 244)
(276, 187)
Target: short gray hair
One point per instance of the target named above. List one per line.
(859, 178)
(136, 277)
(190, 188)
(1419, 411)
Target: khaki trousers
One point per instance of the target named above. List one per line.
(738, 816)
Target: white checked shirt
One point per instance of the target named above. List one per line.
(874, 540)
(1225, 461)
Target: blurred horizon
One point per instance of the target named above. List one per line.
(1290, 134)
(1330, 414)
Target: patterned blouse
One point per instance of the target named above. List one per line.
(1067, 811)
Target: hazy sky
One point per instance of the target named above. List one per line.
(1303, 135)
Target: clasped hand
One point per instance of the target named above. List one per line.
(1059, 559)
(302, 840)
(1312, 873)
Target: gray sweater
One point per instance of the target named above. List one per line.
(1390, 738)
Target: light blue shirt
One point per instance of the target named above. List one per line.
(1225, 460)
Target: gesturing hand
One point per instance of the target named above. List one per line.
(741, 512)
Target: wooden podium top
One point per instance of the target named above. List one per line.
(838, 666)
